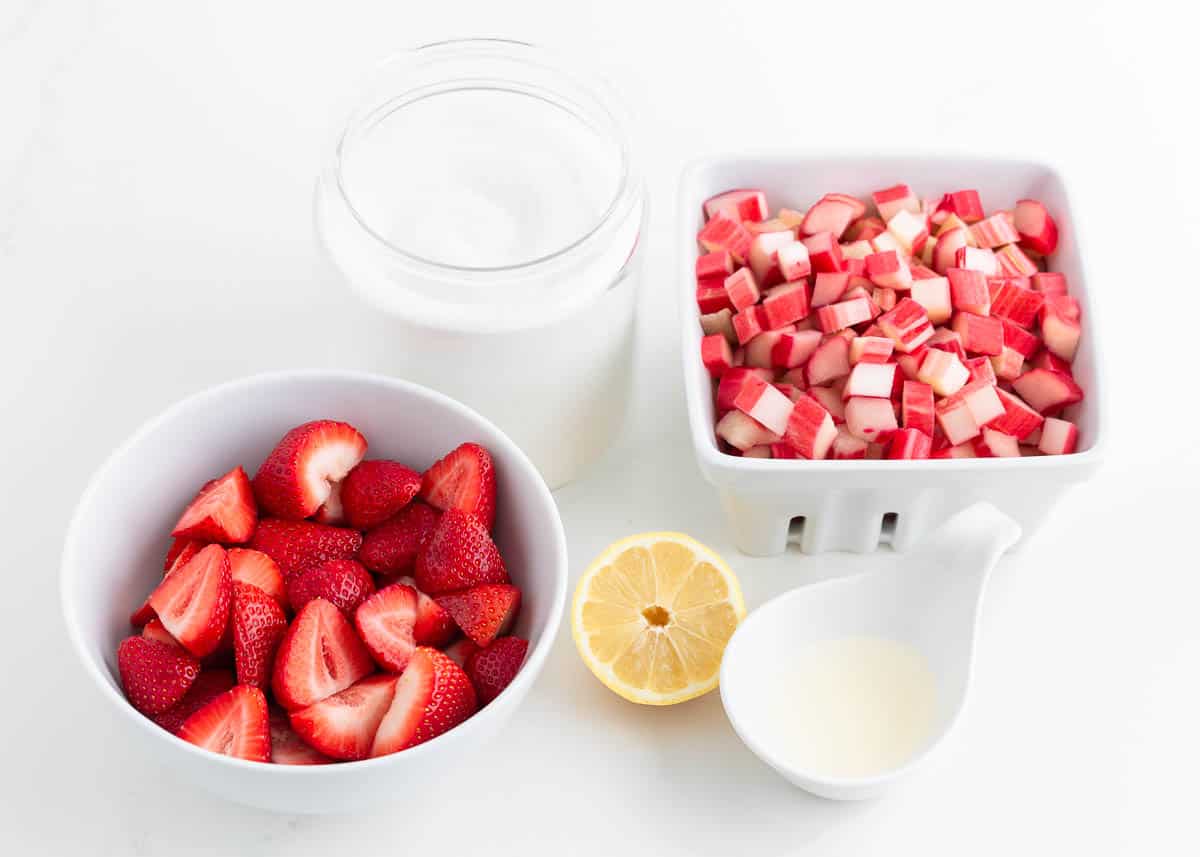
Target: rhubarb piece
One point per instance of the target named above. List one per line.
(872, 419)
(829, 362)
(1019, 339)
(916, 406)
(907, 325)
(764, 261)
(977, 259)
(760, 348)
(724, 233)
(712, 297)
(856, 250)
(1037, 230)
(764, 403)
(793, 261)
(741, 432)
(794, 349)
(716, 354)
(748, 324)
(1015, 302)
(909, 443)
(718, 264)
(830, 214)
(1049, 283)
(909, 230)
(892, 200)
(955, 420)
(830, 398)
(785, 304)
(963, 203)
(933, 293)
(844, 314)
(741, 204)
(945, 250)
(980, 334)
(742, 289)
(870, 379)
(969, 291)
(1059, 437)
(871, 349)
(1018, 419)
(996, 444)
(981, 369)
(1014, 263)
(720, 322)
(993, 232)
(824, 252)
(810, 429)
(982, 401)
(732, 383)
(888, 269)
(1047, 391)
(943, 371)
(1008, 364)
(1060, 326)
(945, 339)
(864, 229)
(828, 287)
(884, 299)
(848, 447)
(1048, 360)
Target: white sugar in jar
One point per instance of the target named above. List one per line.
(483, 198)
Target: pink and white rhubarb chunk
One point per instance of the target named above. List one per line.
(943, 371)
(765, 404)
(1059, 437)
(1035, 226)
(810, 429)
(872, 419)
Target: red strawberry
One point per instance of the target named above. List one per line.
(432, 695)
(208, 686)
(288, 748)
(178, 554)
(234, 724)
(295, 545)
(385, 623)
(331, 511)
(434, 626)
(344, 583)
(320, 655)
(460, 553)
(343, 726)
(464, 480)
(392, 547)
(493, 669)
(257, 569)
(375, 490)
(460, 651)
(258, 625)
(193, 601)
(154, 630)
(223, 511)
(155, 675)
(483, 612)
(295, 478)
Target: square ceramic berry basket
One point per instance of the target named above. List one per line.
(857, 505)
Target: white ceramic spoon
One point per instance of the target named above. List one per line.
(928, 600)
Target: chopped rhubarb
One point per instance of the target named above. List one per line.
(1035, 226)
(810, 429)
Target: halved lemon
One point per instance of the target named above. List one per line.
(652, 615)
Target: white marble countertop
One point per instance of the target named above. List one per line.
(156, 165)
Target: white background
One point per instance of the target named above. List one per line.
(156, 165)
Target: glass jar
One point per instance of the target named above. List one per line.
(482, 197)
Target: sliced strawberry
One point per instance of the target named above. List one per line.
(464, 480)
(332, 511)
(392, 547)
(257, 569)
(385, 622)
(460, 650)
(155, 675)
(375, 490)
(178, 554)
(432, 695)
(460, 553)
(234, 724)
(344, 583)
(295, 479)
(223, 511)
(493, 669)
(434, 627)
(193, 601)
(343, 726)
(288, 748)
(295, 545)
(258, 625)
(320, 655)
(154, 630)
(483, 612)
(208, 686)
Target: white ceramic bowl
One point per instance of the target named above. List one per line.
(853, 505)
(115, 543)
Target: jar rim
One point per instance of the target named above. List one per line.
(594, 86)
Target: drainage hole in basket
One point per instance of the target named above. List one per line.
(796, 529)
(887, 528)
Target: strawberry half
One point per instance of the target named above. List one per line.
(178, 554)
(483, 612)
(223, 511)
(460, 651)
(385, 622)
(154, 630)
(375, 490)
(155, 675)
(493, 669)
(234, 724)
(258, 625)
(432, 695)
(343, 726)
(465, 480)
(344, 583)
(288, 748)
(295, 545)
(459, 554)
(208, 686)
(296, 478)
(192, 602)
(392, 547)
(433, 627)
(320, 655)
(257, 569)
